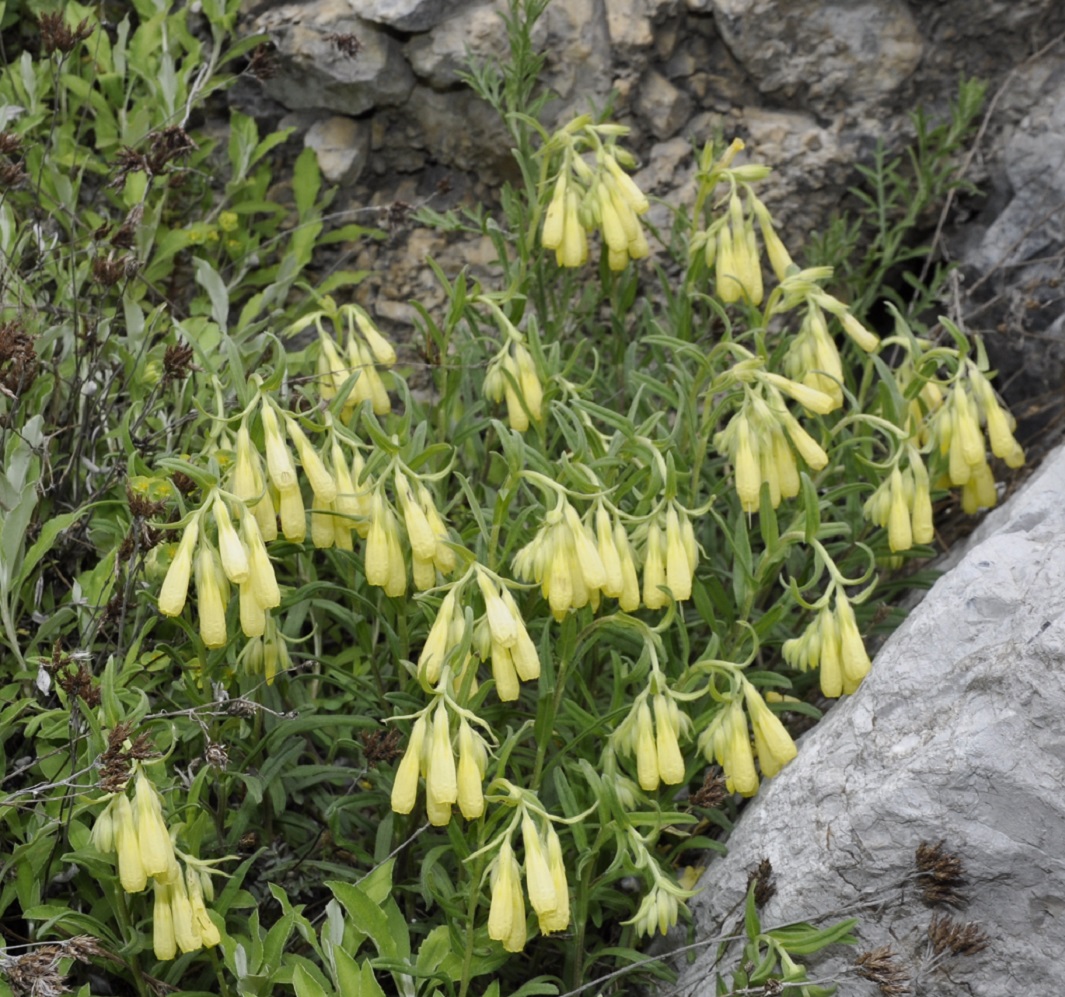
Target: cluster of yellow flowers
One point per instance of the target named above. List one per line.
(512, 376)
(575, 566)
(726, 740)
(902, 503)
(832, 643)
(545, 879)
(239, 559)
(762, 434)
(655, 744)
(955, 429)
(364, 348)
(431, 754)
(138, 836)
(587, 198)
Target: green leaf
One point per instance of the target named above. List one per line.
(208, 278)
(306, 985)
(367, 917)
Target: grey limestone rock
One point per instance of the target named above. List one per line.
(315, 72)
(956, 735)
(821, 53)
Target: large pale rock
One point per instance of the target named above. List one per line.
(478, 33)
(341, 146)
(314, 71)
(409, 15)
(824, 53)
(957, 734)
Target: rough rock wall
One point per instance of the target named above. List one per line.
(955, 736)
(811, 85)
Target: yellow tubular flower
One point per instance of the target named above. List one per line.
(345, 505)
(186, 933)
(263, 579)
(234, 556)
(163, 940)
(752, 279)
(613, 228)
(441, 779)
(322, 482)
(923, 529)
(779, 259)
(153, 838)
(670, 759)
(293, 514)
(555, 217)
(529, 381)
(380, 348)
(967, 429)
(102, 835)
(646, 752)
(331, 372)
(900, 531)
(517, 416)
(654, 574)
(629, 600)
(175, 586)
(377, 545)
(787, 469)
(679, 573)
(374, 387)
(323, 536)
(831, 663)
(808, 448)
(209, 601)
(613, 581)
(131, 872)
(748, 475)
(419, 532)
(405, 784)
(773, 743)
(279, 463)
(854, 660)
(737, 756)
(538, 879)
(501, 621)
(201, 920)
(979, 492)
(396, 586)
(505, 674)
(809, 398)
(472, 763)
(858, 332)
(252, 613)
(627, 187)
(524, 654)
(726, 280)
(558, 919)
(436, 644)
(506, 915)
(574, 249)
(588, 560)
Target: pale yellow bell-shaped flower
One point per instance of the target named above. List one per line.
(174, 591)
